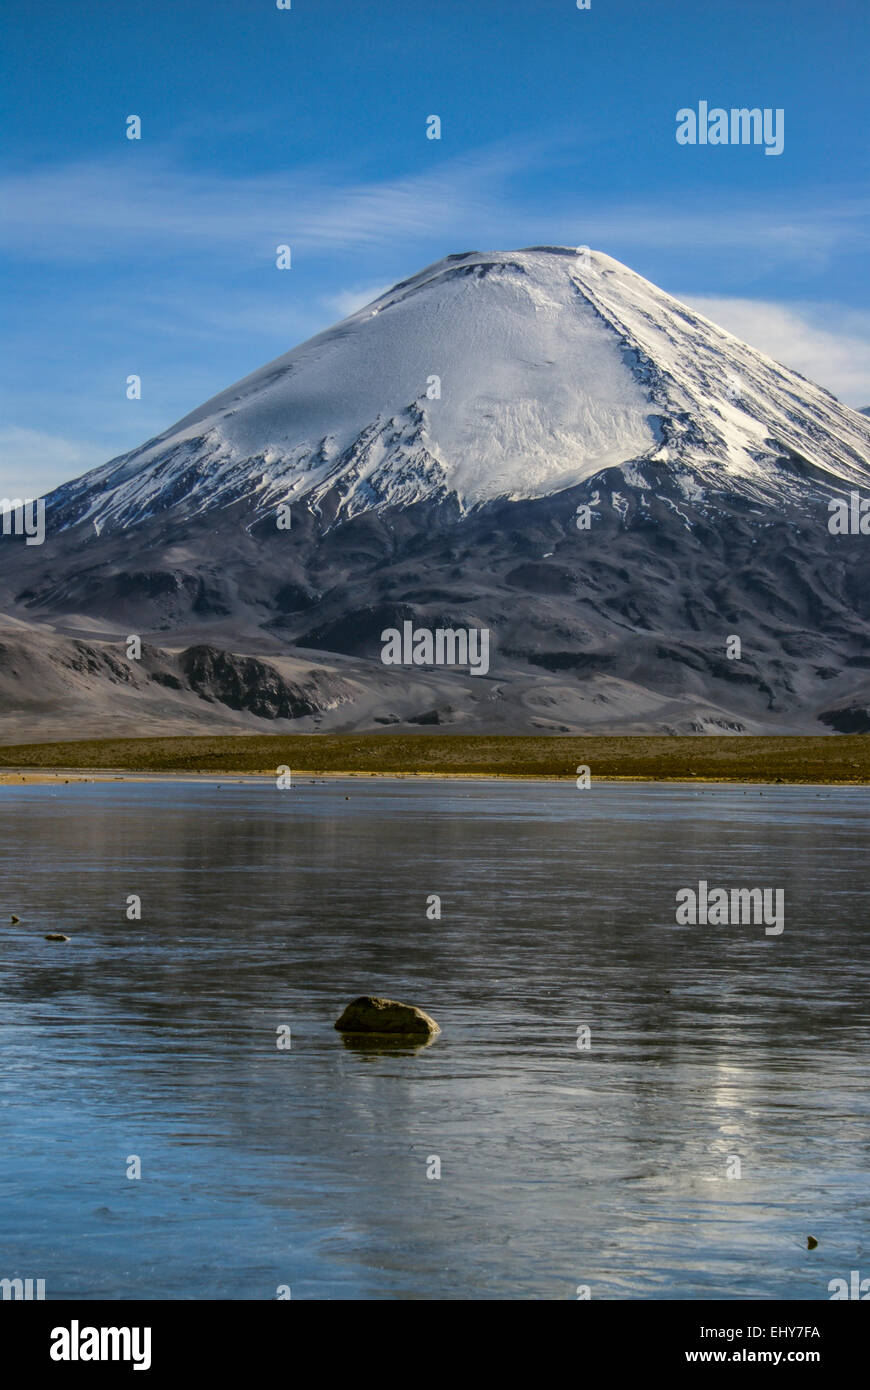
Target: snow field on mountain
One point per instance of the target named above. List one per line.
(507, 375)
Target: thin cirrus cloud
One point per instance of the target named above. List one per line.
(34, 461)
(152, 203)
(78, 211)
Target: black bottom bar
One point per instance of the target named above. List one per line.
(227, 1337)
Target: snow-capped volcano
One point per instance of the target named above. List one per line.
(509, 375)
(438, 450)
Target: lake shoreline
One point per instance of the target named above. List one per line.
(68, 776)
(802, 760)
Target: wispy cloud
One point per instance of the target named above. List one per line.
(84, 210)
(824, 342)
(346, 302)
(32, 462)
(194, 313)
(150, 203)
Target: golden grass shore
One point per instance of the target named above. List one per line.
(828, 759)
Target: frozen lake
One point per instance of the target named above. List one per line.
(560, 1166)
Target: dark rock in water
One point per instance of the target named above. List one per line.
(13, 918)
(56, 936)
(811, 1242)
(371, 1015)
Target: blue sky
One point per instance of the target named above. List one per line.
(308, 127)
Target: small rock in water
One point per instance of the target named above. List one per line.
(811, 1242)
(56, 936)
(371, 1015)
(13, 918)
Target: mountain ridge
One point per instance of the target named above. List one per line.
(347, 412)
(603, 478)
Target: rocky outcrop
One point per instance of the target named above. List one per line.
(245, 683)
(850, 719)
(55, 686)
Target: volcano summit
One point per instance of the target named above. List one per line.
(538, 443)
